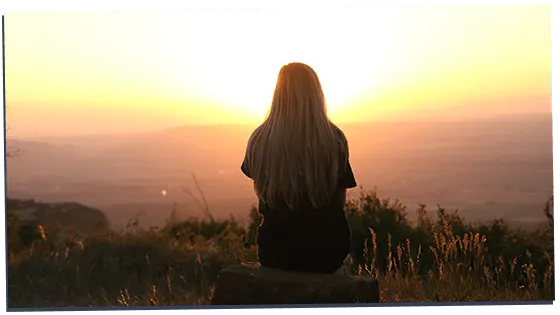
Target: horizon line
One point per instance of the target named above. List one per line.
(252, 125)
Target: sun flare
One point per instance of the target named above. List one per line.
(152, 69)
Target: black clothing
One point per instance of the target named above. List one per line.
(306, 239)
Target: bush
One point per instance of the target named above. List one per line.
(439, 258)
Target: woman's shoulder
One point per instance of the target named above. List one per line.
(338, 132)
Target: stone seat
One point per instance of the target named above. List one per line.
(256, 285)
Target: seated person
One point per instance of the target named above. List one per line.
(298, 161)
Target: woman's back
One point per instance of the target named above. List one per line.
(299, 163)
(306, 238)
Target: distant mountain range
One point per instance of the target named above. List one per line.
(496, 164)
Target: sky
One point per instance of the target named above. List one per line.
(99, 72)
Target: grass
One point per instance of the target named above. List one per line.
(432, 260)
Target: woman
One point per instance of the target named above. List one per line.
(298, 160)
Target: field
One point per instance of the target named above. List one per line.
(469, 224)
(436, 258)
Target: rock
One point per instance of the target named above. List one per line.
(254, 285)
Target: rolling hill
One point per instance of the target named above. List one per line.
(485, 167)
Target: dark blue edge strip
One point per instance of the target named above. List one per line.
(451, 306)
(5, 188)
(555, 91)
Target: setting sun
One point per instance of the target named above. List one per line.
(119, 71)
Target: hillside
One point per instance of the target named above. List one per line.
(85, 220)
(439, 258)
(487, 167)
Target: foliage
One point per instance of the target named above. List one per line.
(440, 257)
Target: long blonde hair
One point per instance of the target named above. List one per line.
(297, 151)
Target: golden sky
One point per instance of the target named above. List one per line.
(71, 73)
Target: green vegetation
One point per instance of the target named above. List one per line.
(83, 219)
(437, 258)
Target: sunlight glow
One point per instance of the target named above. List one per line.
(109, 71)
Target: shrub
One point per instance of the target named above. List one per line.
(436, 258)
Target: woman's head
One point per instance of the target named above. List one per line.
(298, 96)
(296, 152)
